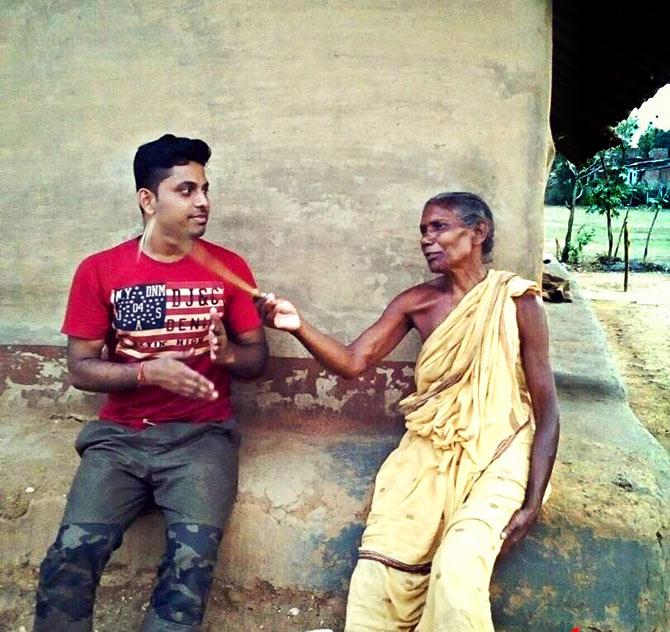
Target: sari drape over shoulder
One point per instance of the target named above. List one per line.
(470, 402)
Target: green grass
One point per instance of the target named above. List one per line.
(639, 220)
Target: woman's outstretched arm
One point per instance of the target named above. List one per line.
(350, 360)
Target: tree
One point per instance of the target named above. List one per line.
(605, 192)
(662, 138)
(576, 190)
(565, 186)
(639, 193)
(583, 238)
(662, 201)
(625, 131)
(646, 140)
(559, 183)
(653, 137)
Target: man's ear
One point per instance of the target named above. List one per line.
(481, 232)
(147, 200)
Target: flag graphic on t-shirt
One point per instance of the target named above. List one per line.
(155, 318)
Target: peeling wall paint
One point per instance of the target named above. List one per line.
(37, 375)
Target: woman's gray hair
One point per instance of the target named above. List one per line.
(471, 209)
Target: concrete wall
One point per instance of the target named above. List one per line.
(311, 445)
(330, 123)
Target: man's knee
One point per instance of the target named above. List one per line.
(72, 567)
(186, 572)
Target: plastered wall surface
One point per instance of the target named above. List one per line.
(330, 124)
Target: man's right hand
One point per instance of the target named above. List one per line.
(278, 313)
(170, 372)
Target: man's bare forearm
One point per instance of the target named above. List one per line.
(102, 376)
(245, 361)
(169, 373)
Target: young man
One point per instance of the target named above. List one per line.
(161, 334)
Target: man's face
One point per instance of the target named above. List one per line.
(445, 241)
(181, 204)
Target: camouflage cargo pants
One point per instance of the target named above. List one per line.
(189, 471)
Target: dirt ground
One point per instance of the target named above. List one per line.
(122, 602)
(637, 324)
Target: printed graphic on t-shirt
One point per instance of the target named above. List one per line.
(156, 318)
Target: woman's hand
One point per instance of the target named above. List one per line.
(518, 527)
(278, 313)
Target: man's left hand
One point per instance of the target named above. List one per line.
(518, 527)
(219, 346)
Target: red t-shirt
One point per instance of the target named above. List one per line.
(144, 308)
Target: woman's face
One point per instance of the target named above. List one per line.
(446, 242)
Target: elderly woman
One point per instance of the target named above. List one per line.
(469, 476)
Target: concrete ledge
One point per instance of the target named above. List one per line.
(586, 386)
(311, 446)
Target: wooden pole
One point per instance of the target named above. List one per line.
(618, 241)
(646, 244)
(626, 247)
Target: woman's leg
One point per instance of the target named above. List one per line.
(384, 599)
(458, 594)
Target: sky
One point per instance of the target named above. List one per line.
(655, 110)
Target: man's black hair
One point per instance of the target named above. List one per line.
(154, 160)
